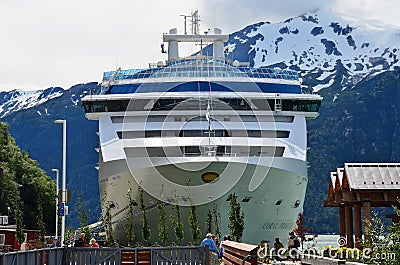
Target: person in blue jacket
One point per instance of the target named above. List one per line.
(210, 242)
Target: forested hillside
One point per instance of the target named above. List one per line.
(24, 187)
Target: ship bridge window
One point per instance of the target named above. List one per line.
(138, 134)
(253, 133)
(105, 105)
(259, 134)
(166, 103)
(301, 105)
(236, 103)
(266, 151)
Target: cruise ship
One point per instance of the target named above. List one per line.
(192, 130)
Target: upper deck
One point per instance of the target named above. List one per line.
(203, 66)
(200, 68)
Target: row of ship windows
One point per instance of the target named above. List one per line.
(203, 133)
(189, 151)
(234, 104)
(166, 118)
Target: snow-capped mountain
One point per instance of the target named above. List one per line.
(16, 100)
(317, 43)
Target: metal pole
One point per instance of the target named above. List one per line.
(64, 173)
(57, 172)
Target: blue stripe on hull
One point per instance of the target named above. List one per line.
(204, 87)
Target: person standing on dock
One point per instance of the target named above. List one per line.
(221, 249)
(277, 245)
(93, 243)
(212, 247)
(81, 243)
(210, 242)
(55, 244)
(293, 245)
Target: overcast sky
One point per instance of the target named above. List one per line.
(47, 43)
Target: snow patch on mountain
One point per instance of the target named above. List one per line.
(320, 41)
(15, 100)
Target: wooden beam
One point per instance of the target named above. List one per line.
(349, 226)
(357, 225)
(367, 219)
(342, 222)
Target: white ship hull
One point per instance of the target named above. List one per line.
(270, 189)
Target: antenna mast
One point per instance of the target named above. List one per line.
(195, 22)
(184, 25)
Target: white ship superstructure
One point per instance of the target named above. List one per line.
(192, 130)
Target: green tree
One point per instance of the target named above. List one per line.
(162, 223)
(69, 234)
(146, 233)
(83, 217)
(394, 234)
(108, 223)
(383, 240)
(217, 221)
(41, 225)
(194, 227)
(209, 221)
(177, 223)
(22, 181)
(20, 235)
(236, 218)
(130, 232)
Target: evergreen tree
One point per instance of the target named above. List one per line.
(177, 223)
(146, 233)
(194, 228)
(217, 221)
(41, 225)
(130, 232)
(107, 222)
(209, 222)
(83, 217)
(20, 235)
(162, 223)
(236, 218)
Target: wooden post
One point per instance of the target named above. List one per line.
(349, 226)
(342, 221)
(357, 225)
(367, 219)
